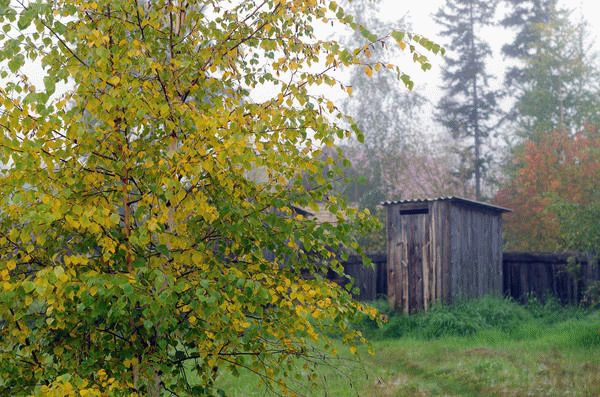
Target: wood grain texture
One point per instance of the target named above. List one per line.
(523, 275)
(542, 274)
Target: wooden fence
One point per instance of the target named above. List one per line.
(566, 276)
(525, 274)
(371, 282)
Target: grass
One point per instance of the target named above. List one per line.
(489, 347)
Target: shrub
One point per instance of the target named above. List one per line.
(466, 318)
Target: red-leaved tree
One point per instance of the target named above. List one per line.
(555, 169)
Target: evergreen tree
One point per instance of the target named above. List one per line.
(555, 76)
(469, 105)
(524, 15)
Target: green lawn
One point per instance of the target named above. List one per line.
(487, 348)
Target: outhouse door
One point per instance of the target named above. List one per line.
(414, 239)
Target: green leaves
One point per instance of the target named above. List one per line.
(28, 286)
(4, 6)
(25, 18)
(367, 34)
(398, 36)
(16, 62)
(429, 45)
(407, 81)
(50, 85)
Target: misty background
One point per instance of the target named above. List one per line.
(509, 115)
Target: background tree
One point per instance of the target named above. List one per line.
(554, 165)
(400, 157)
(554, 195)
(398, 139)
(468, 106)
(385, 112)
(133, 236)
(555, 74)
(525, 17)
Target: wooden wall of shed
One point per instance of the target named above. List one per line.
(393, 255)
(453, 251)
(440, 252)
(418, 249)
(476, 255)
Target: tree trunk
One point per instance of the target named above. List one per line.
(475, 110)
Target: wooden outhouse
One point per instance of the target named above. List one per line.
(442, 249)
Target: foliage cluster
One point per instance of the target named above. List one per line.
(399, 157)
(147, 222)
(552, 81)
(552, 168)
(554, 194)
(554, 77)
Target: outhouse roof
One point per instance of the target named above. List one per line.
(453, 199)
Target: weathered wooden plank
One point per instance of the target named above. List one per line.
(426, 263)
(542, 257)
(382, 287)
(478, 262)
(467, 252)
(426, 240)
(446, 264)
(414, 262)
(429, 297)
(498, 256)
(486, 257)
(506, 280)
(409, 248)
(496, 273)
(404, 275)
(474, 263)
(400, 254)
(420, 239)
(436, 251)
(433, 254)
(392, 257)
(452, 271)
(463, 256)
(544, 274)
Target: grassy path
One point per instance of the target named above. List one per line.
(478, 367)
(550, 354)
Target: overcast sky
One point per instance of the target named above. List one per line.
(421, 15)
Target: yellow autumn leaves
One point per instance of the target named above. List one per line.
(149, 210)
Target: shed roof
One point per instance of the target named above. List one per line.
(453, 199)
(321, 215)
